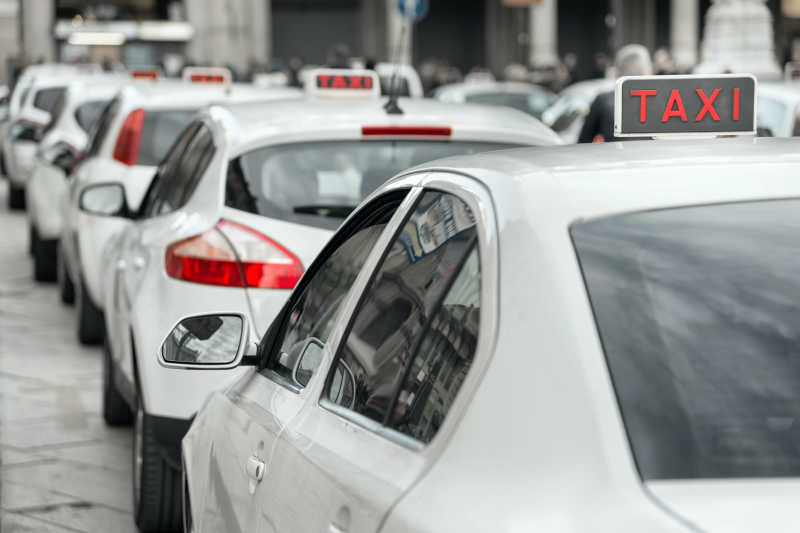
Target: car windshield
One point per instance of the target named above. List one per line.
(698, 311)
(159, 132)
(532, 103)
(319, 183)
(87, 114)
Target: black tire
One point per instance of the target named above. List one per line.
(116, 411)
(66, 289)
(157, 487)
(16, 197)
(44, 258)
(90, 318)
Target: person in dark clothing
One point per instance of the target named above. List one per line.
(631, 60)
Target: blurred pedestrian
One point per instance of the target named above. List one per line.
(631, 60)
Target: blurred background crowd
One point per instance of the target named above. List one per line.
(549, 42)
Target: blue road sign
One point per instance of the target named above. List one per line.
(413, 10)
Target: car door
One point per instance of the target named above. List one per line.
(129, 259)
(248, 419)
(354, 450)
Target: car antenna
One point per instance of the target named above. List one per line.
(392, 107)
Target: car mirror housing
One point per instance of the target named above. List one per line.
(104, 199)
(207, 342)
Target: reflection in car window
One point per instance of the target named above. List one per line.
(87, 114)
(317, 308)
(697, 310)
(167, 172)
(403, 298)
(47, 99)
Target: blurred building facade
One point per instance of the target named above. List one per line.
(578, 35)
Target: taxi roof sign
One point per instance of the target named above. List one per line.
(662, 106)
(207, 75)
(343, 83)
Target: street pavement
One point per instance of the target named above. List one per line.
(61, 468)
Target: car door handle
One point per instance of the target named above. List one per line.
(255, 468)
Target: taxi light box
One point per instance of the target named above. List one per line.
(344, 81)
(655, 106)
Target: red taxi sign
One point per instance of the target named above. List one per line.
(659, 106)
(343, 83)
(144, 74)
(217, 75)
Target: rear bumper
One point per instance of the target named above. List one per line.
(169, 433)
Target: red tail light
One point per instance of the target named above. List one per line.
(126, 150)
(411, 131)
(253, 260)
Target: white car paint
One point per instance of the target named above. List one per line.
(48, 183)
(568, 112)
(142, 305)
(535, 440)
(83, 235)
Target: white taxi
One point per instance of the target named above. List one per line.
(593, 337)
(238, 211)
(63, 142)
(525, 97)
(131, 138)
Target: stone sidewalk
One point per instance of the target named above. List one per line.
(61, 468)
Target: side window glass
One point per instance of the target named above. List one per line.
(316, 307)
(445, 355)
(180, 184)
(167, 172)
(403, 304)
(796, 124)
(100, 130)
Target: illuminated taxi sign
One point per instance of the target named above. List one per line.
(207, 75)
(657, 106)
(342, 83)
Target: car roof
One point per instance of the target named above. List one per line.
(181, 94)
(249, 124)
(480, 87)
(590, 180)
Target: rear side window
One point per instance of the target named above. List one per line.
(46, 99)
(87, 114)
(159, 131)
(102, 127)
(55, 115)
(413, 338)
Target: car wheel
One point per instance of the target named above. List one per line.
(16, 197)
(65, 287)
(44, 258)
(90, 318)
(116, 411)
(157, 489)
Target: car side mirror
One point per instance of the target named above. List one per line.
(104, 199)
(218, 341)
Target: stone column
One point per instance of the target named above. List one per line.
(684, 24)
(397, 26)
(738, 37)
(37, 29)
(544, 34)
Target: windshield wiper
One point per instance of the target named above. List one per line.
(325, 210)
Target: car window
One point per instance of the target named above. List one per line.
(100, 131)
(415, 294)
(88, 113)
(159, 131)
(697, 310)
(47, 99)
(320, 183)
(771, 115)
(169, 173)
(533, 103)
(55, 115)
(315, 307)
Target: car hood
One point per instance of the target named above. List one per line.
(732, 506)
